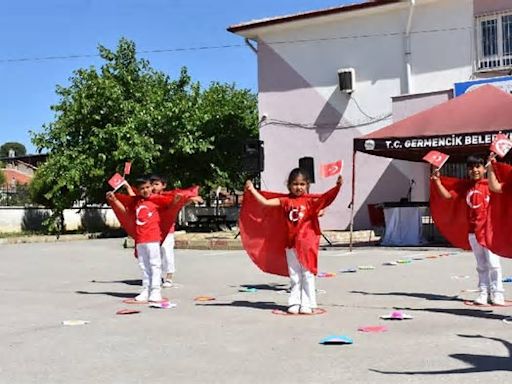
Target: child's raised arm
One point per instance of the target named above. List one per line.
(494, 184)
(113, 200)
(436, 178)
(259, 197)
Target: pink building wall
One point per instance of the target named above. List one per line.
(482, 7)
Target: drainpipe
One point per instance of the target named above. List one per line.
(249, 44)
(407, 48)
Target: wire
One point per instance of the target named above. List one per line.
(324, 125)
(360, 109)
(230, 46)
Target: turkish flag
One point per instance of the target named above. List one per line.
(501, 145)
(331, 169)
(127, 167)
(436, 158)
(116, 181)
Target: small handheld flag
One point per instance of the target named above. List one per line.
(127, 167)
(436, 158)
(116, 181)
(501, 145)
(331, 169)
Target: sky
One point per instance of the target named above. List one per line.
(33, 29)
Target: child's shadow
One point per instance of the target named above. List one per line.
(419, 295)
(124, 295)
(477, 363)
(265, 305)
(127, 282)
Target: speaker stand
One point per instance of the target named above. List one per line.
(327, 239)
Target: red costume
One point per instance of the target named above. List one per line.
(267, 231)
(466, 212)
(499, 220)
(168, 215)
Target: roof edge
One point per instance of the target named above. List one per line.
(308, 15)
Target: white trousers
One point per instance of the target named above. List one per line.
(488, 267)
(150, 264)
(167, 250)
(302, 282)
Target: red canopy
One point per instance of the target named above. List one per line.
(460, 126)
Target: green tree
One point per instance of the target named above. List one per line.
(126, 110)
(19, 149)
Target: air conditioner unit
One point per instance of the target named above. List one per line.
(347, 79)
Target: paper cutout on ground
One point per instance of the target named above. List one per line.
(204, 298)
(248, 289)
(163, 305)
(336, 339)
(127, 312)
(75, 322)
(396, 315)
(348, 270)
(404, 261)
(418, 258)
(431, 257)
(326, 274)
(373, 328)
(470, 290)
(390, 263)
(507, 279)
(366, 267)
(460, 277)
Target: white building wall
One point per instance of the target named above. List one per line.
(299, 85)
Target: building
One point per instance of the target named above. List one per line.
(330, 75)
(19, 170)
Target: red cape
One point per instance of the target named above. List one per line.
(264, 233)
(127, 218)
(499, 219)
(168, 215)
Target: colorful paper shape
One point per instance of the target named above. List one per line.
(163, 305)
(390, 263)
(127, 312)
(366, 267)
(404, 261)
(373, 328)
(507, 279)
(75, 322)
(248, 289)
(336, 339)
(204, 298)
(397, 315)
(326, 274)
(348, 270)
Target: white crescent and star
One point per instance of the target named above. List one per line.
(478, 196)
(139, 214)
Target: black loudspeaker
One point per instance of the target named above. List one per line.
(307, 164)
(253, 158)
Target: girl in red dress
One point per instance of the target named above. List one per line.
(281, 234)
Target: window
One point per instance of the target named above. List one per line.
(494, 36)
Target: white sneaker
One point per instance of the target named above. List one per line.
(294, 309)
(497, 298)
(306, 311)
(482, 299)
(143, 296)
(155, 295)
(167, 283)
